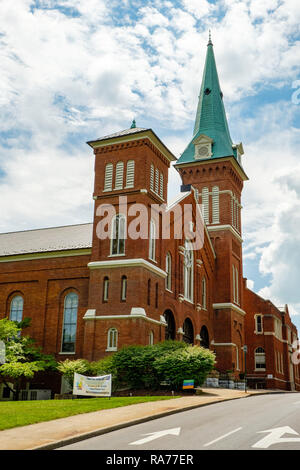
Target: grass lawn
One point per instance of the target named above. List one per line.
(21, 413)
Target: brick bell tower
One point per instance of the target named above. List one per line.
(126, 273)
(212, 164)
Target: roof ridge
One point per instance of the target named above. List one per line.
(46, 228)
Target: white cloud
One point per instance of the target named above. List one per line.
(67, 79)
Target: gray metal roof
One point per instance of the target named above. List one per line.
(69, 237)
(133, 130)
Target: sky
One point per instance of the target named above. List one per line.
(76, 70)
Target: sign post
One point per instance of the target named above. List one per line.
(92, 386)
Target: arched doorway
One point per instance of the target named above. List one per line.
(204, 342)
(170, 328)
(188, 331)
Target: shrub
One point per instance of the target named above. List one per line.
(135, 364)
(68, 368)
(192, 362)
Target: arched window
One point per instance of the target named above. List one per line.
(188, 331)
(149, 292)
(237, 295)
(124, 288)
(152, 238)
(204, 296)
(188, 271)
(205, 205)
(130, 174)
(161, 188)
(112, 339)
(16, 308)
(151, 338)
(152, 177)
(169, 271)
(105, 289)
(260, 358)
(119, 175)
(108, 177)
(118, 235)
(233, 283)
(215, 205)
(170, 328)
(258, 324)
(204, 337)
(157, 181)
(69, 323)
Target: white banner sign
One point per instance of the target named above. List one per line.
(92, 386)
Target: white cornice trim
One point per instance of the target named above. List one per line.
(127, 263)
(223, 344)
(141, 316)
(231, 306)
(46, 255)
(215, 228)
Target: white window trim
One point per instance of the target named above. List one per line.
(112, 348)
(121, 216)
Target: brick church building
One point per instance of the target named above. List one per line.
(88, 295)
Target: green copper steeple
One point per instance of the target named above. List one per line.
(211, 127)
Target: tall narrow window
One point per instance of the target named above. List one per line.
(16, 308)
(112, 339)
(118, 235)
(260, 358)
(215, 205)
(204, 302)
(237, 286)
(119, 175)
(105, 289)
(169, 271)
(156, 295)
(152, 240)
(258, 324)
(69, 323)
(124, 288)
(108, 177)
(188, 271)
(149, 292)
(161, 188)
(130, 174)
(152, 177)
(205, 204)
(157, 181)
(233, 283)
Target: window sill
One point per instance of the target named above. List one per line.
(153, 260)
(65, 353)
(260, 370)
(116, 255)
(168, 290)
(111, 349)
(258, 332)
(188, 301)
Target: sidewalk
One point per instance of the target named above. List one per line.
(59, 432)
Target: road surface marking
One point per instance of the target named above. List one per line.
(274, 437)
(222, 437)
(155, 435)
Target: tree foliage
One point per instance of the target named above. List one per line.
(23, 359)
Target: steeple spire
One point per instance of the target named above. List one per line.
(209, 39)
(211, 118)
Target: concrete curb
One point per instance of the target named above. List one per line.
(98, 432)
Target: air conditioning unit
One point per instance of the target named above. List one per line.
(35, 394)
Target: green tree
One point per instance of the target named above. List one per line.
(23, 359)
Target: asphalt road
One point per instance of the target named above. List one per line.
(265, 422)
